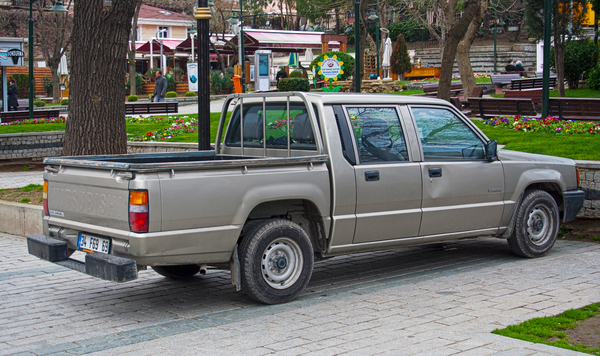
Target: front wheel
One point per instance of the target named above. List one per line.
(536, 225)
(276, 260)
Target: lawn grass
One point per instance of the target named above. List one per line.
(133, 129)
(581, 147)
(569, 93)
(549, 330)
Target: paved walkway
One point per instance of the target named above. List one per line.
(443, 299)
(20, 179)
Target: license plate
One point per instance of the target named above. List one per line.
(91, 243)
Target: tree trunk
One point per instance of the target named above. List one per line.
(454, 35)
(361, 20)
(56, 93)
(559, 53)
(131, 52)
(463, 51)
(96, 122)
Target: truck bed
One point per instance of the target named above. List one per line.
(154, 162)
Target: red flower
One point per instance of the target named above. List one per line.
(149, 134)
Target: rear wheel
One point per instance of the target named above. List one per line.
(177, 272)
(276, 260)
(536, 225)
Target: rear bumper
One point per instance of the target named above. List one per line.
(573, 203)
(99, 265)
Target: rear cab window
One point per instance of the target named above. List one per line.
(273, 131)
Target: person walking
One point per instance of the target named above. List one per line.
(160, 90)
(281, 74)
(13, 100)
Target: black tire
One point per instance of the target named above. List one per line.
(177, 272)
(536, 225)
(276, 261)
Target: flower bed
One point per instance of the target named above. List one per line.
(179, 125)
(549, 125)
(53, 120)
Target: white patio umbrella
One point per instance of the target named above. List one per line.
(308, 55)
(387, 53)
(62, 66)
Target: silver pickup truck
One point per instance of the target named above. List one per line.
(297, 177)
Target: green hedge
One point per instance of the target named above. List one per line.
(132, 98)
(38, 102)
(293, 84)
(64, 101)
(190, 93)
(171, 94)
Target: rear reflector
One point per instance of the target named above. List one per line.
(139, 215)
(45, 198)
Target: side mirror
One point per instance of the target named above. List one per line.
(491, 150)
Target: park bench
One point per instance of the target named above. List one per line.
(432, 88)
(530, 83)
(533, 94)
(501, 80)
(167, 107)
(490, 107)
(10, 116)
(575, 108)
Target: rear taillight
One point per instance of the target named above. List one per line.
(578, 177)
(138, 211)
(45, 198)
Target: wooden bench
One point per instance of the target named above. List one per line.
(10, 116)
(432, 88)
(575, 108)
(167, 107)
(530, 83)
(501, 80)
(490, 107)
(533, 94)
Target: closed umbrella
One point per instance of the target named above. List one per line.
(308, 55)
(293, 62)
(387, 53)
(62, 66)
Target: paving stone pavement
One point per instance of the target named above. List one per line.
(442, 299)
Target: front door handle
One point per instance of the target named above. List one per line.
(435, 172)
(371, 176)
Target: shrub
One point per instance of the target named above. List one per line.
(47, 84)
(64, 101)
(190, 93)
(22, 85)
(170, 82)
(221, 83)
(400, 60)
(171, 94)
(580, 56)
(293, 84)
(593, 79)
(38, 102)
(344, 57)
(139, 85)
(296, 74)
(132, 98)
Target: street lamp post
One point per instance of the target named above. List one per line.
(357, 60)
(192, 35)
(241, 53)
(377, 36)
(202, 16)
(546, 69)
(57, 8)
(495, 37)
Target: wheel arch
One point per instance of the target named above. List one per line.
(302, 212)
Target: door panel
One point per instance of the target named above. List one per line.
(388, 184)
(462, 191)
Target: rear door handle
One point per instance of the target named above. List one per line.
(435, 172)
(371, 176)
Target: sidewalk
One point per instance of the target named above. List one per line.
(20, 179)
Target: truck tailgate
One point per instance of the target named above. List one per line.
(89, 196)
